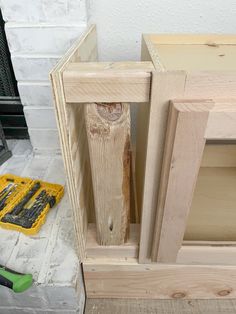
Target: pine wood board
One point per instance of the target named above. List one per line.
(142, 306)
(107, 82)
(128, 279)
(108, 136)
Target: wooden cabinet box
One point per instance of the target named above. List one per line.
(191, 80)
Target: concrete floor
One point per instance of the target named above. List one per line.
(50, 255)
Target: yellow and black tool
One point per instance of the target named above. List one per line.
(24, 203)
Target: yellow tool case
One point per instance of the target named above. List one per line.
(24, 202)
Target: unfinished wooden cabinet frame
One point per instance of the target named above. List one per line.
(186, 67)
(190, 124)
(79, 81)
(115, 271)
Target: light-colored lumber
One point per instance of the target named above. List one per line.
(140, 306)
(212, 215)
(219, 155)
(210, 84)
(206, 254)
(128, 279)
(191, 252)
(107, 82)
(197, 57)
(85, 49)
(164, 87)
(190, 124)
(108, 134)
(128, 250)
(182, 158)
(210, 77)
(191, 39)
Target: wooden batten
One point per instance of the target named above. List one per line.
(107, 82)
(108, 134)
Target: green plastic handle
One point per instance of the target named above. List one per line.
(16, 281)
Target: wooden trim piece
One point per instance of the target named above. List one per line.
(222, 122)
(210, 85)
(107, 82)
(190, 124)
(108, 135)
(164, 87)
(185, 143)
(85, 49)
(207, 255)
(128, 279)
(128, 250)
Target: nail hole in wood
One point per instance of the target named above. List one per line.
(110, 224)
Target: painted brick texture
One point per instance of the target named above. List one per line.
(38, 33)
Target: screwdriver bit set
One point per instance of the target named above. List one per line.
(24, 203)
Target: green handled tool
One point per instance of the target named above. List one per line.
(16, 281)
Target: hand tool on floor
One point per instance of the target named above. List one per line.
(16, 281)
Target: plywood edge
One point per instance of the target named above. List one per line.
(148, 48)
(61, 115)
(72, 50)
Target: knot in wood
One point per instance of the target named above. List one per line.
(110, 111)
(223, 293)
(178, 295)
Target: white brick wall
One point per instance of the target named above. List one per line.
(41, 38)
(38, 33)
(53, 11)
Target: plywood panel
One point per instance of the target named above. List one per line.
(213, 213)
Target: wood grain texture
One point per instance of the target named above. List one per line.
(212, 214)
(108, 133)
(192, 39)
(128, 250)
(185, 143)
(107, 82)
(85, 49)
(206, 254)
(153, 281)
(219, 155)
(142, 306)
(165, 86)
(190, 123)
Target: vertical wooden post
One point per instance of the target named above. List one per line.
(108, 132)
